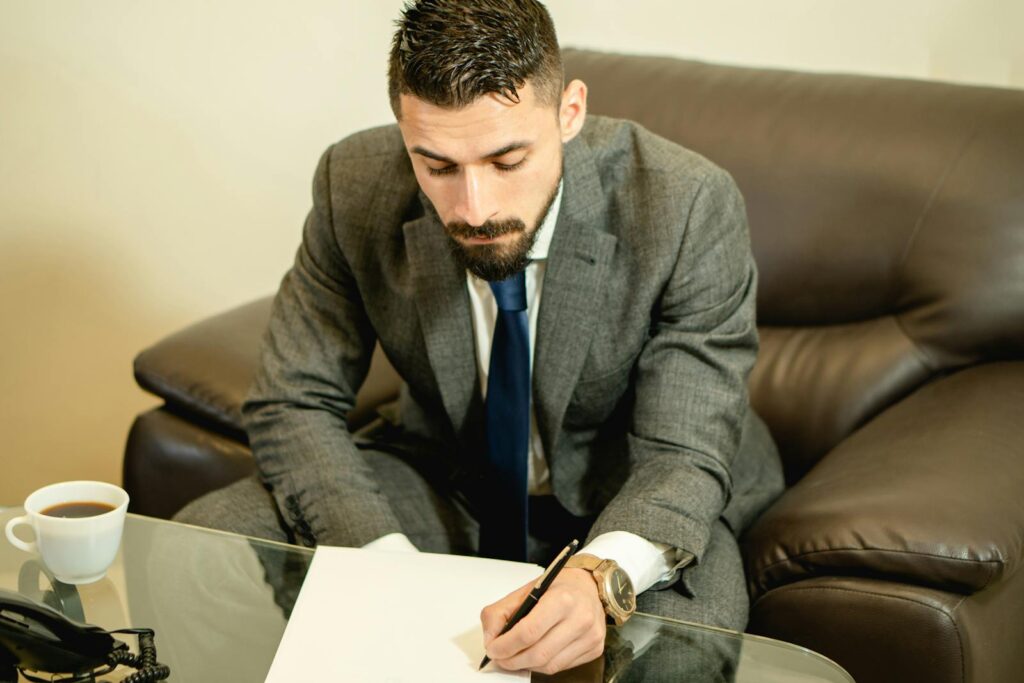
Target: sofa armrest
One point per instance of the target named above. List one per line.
(204, 371)
(930, 492)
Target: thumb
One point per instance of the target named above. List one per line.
(494, 617)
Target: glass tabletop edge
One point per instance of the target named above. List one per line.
(264, 541)
(753, 637)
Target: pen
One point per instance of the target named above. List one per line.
(538, 591)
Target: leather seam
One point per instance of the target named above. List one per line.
(959, 638)
(915, 347)
(984, 585)
(952, 621)
(878, 550)
(162, 386)
(918, 228)
(933, 195)
(797, 587)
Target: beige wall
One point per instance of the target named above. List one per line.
(969, 41)
(155, 160)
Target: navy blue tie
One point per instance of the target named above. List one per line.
(504, 522)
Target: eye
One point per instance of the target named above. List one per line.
(446, 170)
(505, 168)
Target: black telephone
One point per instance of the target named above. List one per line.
(37, 638)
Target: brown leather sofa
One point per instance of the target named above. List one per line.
(887, 219)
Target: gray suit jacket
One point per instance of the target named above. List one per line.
(645, 337)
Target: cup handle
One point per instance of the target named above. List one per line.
(29, 547)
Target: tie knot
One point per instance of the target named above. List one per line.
(511, 293)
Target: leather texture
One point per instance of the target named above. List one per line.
(929, 492)
(887, 222)
(207, 367)
(173, 459)
(882, 631)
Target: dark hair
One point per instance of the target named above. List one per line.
(450, 52)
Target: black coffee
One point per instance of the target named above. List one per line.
(83, 509)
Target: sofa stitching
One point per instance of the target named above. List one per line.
(933, 195)
(211, 402)
(959, 639)
(952, 621)
(791, 558)
(915, 347)
(877, 550)
(919, 226)
(839, 589)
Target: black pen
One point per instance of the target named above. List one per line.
(538, 591)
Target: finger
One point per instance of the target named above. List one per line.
(493, 617)
(568, 642)
(554, 607)
(565, 660)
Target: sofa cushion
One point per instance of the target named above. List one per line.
(891, 632)
(170, 461)
(929, 492)
(816, 385)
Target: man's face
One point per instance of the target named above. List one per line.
(491, 171)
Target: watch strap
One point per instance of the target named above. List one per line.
(584, 561)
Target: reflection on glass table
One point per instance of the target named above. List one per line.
(219, 604)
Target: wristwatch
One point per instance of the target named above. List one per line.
(613, 585)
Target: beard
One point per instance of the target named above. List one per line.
(496, 262)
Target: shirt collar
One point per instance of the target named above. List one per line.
(546, 231)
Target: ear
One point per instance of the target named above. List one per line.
(573, 110)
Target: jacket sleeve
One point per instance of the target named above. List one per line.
(316, 353)
(691, 381)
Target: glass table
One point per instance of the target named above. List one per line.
(219, 604)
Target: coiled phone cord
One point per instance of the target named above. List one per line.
(148, 668)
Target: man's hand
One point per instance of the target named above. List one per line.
(564, 630)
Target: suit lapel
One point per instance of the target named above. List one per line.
(577, 267)
(578, 263)
(442, 303)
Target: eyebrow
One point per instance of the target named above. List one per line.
(510, 147)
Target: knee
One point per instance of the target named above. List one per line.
(731, 610)
(243, 507)
(203, 511)
(725, 605)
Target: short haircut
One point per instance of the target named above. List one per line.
(451, 52)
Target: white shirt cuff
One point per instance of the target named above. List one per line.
(396, 542)
(647, 563)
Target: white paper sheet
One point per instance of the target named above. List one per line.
(387, 617)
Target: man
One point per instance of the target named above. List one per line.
(570, 304)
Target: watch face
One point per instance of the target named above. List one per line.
(620, 590)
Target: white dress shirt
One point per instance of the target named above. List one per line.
(647, 563)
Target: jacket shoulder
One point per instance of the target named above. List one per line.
(367, 168)
(378, 142)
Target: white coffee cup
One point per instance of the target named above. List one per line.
(76, 549)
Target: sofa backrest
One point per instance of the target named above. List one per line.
(887, 221)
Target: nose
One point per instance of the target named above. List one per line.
(475, 204)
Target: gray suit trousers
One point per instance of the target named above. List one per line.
(436, 519)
